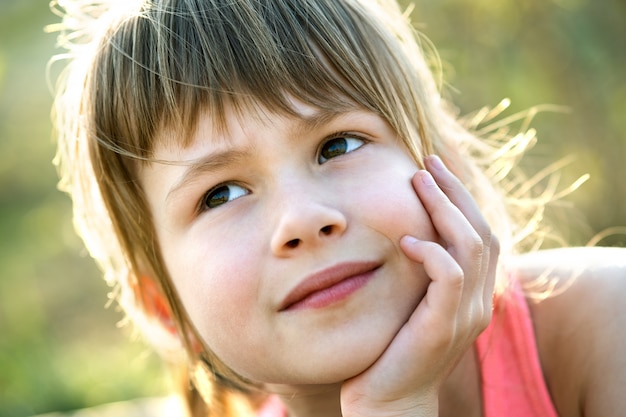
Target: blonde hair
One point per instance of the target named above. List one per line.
(139, 67)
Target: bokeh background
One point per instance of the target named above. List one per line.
(60, 349)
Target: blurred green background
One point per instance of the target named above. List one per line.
(60, 348)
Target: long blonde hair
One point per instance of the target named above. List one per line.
(138, 67)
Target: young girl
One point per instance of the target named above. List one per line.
(278, 190)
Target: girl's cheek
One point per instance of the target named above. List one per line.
(218, 280)
(389, 204)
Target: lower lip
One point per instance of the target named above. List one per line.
(333, 294)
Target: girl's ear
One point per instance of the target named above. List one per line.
(157, 308)
(155, 303)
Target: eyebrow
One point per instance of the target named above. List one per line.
(219, 160)
(314, 121)
(209, 163)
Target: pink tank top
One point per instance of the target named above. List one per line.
(513, 383)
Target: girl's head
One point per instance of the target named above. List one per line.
(149, 79)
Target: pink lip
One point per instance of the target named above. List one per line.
(329, 285)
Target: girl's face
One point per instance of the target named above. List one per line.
(282, 237)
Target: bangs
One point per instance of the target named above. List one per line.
(176, 59)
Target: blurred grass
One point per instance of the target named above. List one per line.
(60, 349)
(565, 52)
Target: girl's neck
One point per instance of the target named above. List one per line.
(309, 401)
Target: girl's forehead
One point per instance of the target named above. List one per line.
(237, 116)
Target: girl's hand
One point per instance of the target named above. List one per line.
(406, 379)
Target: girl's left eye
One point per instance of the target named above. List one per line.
(222, 194)
(338, 146)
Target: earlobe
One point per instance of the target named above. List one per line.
(156, 307)
(155, 303)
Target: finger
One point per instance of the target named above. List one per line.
(448, 309)
(444, 293)
(478, 302)
(490, 281)
(447, 217)
(464, 242)
(457, 193)
(460, 196)
(460, 237)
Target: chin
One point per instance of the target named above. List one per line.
(335, 363)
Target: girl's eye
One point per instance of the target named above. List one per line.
(222, 194)
(339, 146)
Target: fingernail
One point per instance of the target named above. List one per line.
(427, 178)
(436, 163)
(408, 239)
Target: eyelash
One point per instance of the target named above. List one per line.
(202, 206)
(204, 201)
(339, 135)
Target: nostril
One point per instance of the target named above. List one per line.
(293, 243)
(326, 230)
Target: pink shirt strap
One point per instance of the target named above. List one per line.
(513, 382)
(272, 407)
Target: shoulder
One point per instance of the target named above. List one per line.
(580, 326)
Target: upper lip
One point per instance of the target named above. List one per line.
(326, 278)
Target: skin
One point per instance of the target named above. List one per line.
(291, 214)
(580, 330)
(233, 265)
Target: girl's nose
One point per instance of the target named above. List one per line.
(306, 224)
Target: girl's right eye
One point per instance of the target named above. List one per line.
(342, 144)
(222, 194)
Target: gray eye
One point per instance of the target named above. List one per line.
(223, 194)
(338, 146)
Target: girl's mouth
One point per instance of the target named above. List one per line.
(330, 285)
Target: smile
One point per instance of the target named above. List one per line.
(329, 286)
